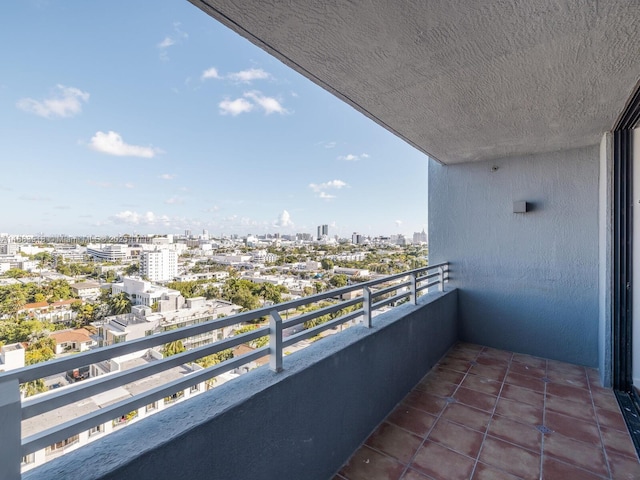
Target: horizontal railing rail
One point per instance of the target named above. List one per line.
(401, 287)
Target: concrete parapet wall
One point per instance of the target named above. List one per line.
(304, 422)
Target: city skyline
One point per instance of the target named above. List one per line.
(174, 123)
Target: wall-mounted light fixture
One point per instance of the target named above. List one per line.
(521, 207)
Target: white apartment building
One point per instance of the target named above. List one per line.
(231, 259)
(142, 292)
(159, 265)
(262, 256)
(111, 252)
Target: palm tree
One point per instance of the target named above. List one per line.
(173, 348)
(120, 303)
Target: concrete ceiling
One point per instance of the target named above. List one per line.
(460, 80)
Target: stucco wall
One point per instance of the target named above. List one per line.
(302, 423)
(528, 282)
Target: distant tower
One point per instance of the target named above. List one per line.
(323, 231)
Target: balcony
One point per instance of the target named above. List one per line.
(403, 394)
(483, 413)
(357, 375)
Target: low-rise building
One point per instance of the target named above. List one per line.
(352, 272)
(76, 340)
(141, 292)
(112, 252)
(188, 277)
(86, 290)
(11, 357)
(59, 311)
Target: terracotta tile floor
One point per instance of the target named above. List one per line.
(488, 414)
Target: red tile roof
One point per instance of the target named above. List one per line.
(80, 335)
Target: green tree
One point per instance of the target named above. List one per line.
(16, 273)
(173, 348)
(86, 312)
(13, 299)
(34, 387)
(58, 290)
(327, 264)
(120, 304)
(40, 350)
(339, 280)
(133, 269)
(271, 292)
(39, 297)
(187, 289)
(215, 358)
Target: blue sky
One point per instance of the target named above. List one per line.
(118, 118)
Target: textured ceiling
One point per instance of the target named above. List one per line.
(460, 80)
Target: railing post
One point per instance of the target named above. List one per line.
(275, 342)
(366, 307)
(414, 289)
(10, 416)
(441, 273)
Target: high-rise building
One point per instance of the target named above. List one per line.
(159, 265)
(323, 231)
(419, 237)
(356, 238)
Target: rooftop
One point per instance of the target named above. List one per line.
(76, 335)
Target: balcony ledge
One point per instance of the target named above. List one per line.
(304, 421)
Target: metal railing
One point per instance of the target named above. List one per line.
(372, 295)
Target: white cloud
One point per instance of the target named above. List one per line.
(241, 105)
(174, 200)
(268, 104)
(167, 176)
(319, 188)
(63, 102)
(215, 208)
(249, 75)
(235, 107)
(171, 40)
(352, 157)
(112, 144)
(129, 185)
(328, 144)
(134, 218)
(167, 42)
(398, 223)
(326, 196)
(284, 220)
(337, 184)
(210, 73)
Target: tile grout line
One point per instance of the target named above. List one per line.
(424, 439)
(595, 413)
(493, 411)
(544, 417)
